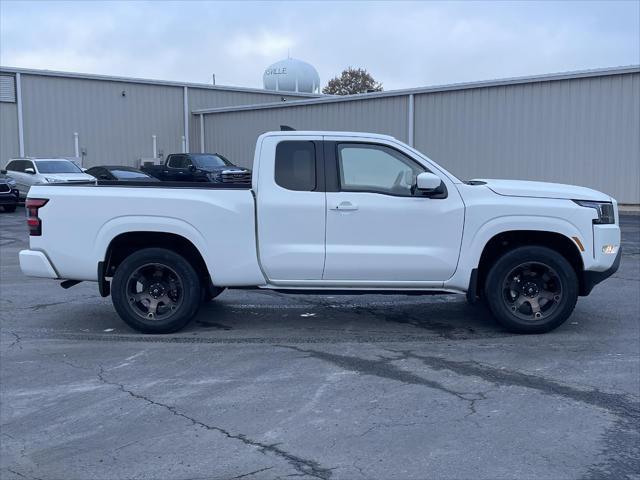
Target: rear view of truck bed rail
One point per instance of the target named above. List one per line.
(121, 183)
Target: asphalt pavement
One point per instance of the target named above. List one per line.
(263, 386)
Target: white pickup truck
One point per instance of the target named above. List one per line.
(327, 212)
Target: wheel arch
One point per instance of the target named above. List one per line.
(508, 240)
(155, 228)
(126, 243)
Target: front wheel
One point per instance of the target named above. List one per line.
(155, 290)
(531, 289)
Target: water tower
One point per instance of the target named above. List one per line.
(291, 75)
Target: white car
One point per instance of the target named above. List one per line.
(327, 211)
(35, 171)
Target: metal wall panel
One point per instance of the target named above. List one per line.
(234, 134)
(583, 131)
(209, 98)
(7, 88)
(114, 129)
(8, 132)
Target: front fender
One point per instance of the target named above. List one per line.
(474, 241)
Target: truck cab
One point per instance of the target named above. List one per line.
(359, 221)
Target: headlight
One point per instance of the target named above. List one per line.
(605, 211)
(11, 183)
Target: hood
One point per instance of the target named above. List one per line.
(69, 177)
(520, 188)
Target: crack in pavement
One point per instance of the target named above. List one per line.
(384, 369)
(615, 403)
(244, 475)
(303, 466)
(16, 342)
(22, 475)
(23, 449)
(621, 449)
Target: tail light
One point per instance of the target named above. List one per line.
(33, 221)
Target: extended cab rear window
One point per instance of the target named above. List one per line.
(296, 165)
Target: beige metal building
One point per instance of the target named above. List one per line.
(581, 127)
(115, 118)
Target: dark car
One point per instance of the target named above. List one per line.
(8, 193)
(199, 167)
(118, 172)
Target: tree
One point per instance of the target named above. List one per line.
(352, 80)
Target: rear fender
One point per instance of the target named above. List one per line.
(127, 224)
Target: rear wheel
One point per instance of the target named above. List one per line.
(155, 290)
(531, 289)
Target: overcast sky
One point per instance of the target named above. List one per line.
(402, 44)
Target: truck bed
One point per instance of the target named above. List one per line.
(80, 221)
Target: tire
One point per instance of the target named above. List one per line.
(155, 290)
(531, 289)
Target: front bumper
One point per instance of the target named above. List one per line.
(36, 264)
(9, 198)
(591, 278)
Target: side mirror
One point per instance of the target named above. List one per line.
(30, 171)
(192, 168)
(427, 182)
(3, 171)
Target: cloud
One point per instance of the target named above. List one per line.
(263, 44)
(403, 44)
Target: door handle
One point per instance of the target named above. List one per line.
(345, 207)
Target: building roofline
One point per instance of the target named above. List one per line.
(146, 81)
(599, 72)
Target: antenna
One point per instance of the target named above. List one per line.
(213, 78)
(287, 128)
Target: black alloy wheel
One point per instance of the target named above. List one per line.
(155, 290)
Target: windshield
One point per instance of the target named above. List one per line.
(128, 174)
(57, 166)
(210, 161)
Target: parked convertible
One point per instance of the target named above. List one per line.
(328, 211)
(118, 172)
